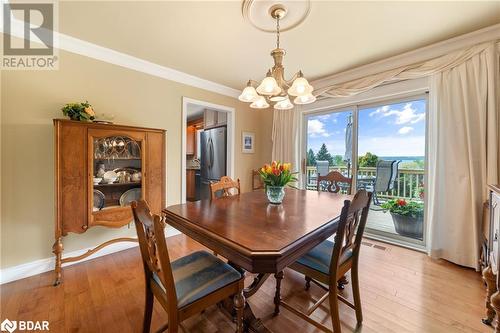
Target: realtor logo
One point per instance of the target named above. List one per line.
(28, 41)
(24, 325)
(8, 325)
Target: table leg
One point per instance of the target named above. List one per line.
(277, 295)
(250, 321)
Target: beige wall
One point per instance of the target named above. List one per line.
(29, 102)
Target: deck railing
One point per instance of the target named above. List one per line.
(408, 184)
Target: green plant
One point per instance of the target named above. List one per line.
(277, 174)
(369, 160)
(406, 208)
(79, 111)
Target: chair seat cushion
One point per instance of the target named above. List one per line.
(320, 257)
(199, 274)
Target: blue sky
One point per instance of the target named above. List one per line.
(387, 130)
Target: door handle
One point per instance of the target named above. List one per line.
(210, 151)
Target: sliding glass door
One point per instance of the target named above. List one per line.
(384, 145)
(329, 145)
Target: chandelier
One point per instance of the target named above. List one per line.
(274, 88)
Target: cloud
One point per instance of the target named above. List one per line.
(405, 130)
(316, 128)
(408, 115)
(324, 117)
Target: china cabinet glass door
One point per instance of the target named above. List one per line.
(117, 172)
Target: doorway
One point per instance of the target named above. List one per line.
(384, 146)
(201, 120)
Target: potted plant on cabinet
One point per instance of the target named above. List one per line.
(408, 216)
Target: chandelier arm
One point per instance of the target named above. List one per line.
(295, 76)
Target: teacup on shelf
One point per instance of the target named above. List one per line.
(97, 180)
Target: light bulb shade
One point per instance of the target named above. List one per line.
(278, 98)
(248, 95)
(269, 87)
(305, 99)
(259, 103)
(300, 87)
(284, 105)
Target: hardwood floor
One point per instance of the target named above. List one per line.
(401, 291)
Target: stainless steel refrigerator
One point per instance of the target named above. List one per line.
(213, 158)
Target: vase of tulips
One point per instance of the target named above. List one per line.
(275, 177)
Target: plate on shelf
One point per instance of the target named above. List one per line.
(129, 196)
(110, 177)
(98, 200)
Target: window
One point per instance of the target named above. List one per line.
(384, 145)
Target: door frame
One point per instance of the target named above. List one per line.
(391, 93)
(229, 141)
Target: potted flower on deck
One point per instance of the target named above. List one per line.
(275, 177)
(408, 217)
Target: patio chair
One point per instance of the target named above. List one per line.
(322, 168)
(387, 173)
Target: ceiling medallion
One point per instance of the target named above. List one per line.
(274, 88)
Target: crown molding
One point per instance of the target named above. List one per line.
(94, 51)
(411, 57)
(84, 48)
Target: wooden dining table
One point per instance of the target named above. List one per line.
(257, 236)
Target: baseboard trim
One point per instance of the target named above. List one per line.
(22, 271)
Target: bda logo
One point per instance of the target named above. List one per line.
(8, 325)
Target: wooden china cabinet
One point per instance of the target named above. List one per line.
(99, 170)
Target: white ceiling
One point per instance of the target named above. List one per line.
(212, 41)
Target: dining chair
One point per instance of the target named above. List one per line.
(330, 261)
(257, 183)
(332, 182)
(186, 286)
(224, 187)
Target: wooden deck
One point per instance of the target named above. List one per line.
(401, 291)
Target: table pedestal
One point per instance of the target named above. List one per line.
(251, 322)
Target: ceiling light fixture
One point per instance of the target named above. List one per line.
(274, 88)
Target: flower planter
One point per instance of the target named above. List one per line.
(408, 226)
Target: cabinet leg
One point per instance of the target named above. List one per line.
(57, 249)
(491, 288)
(495, 304)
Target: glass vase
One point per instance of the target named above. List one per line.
(275, 194)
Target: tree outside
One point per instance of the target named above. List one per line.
(324, 155)
(311, 158)
(368, 160)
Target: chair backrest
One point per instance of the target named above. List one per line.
(224, 185)
(257, 182)
(387, 172)
(331, 182)
(349, 234)
(151, 234)
(322, 167)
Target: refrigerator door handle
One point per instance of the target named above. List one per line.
(211, 153)
(208, 153)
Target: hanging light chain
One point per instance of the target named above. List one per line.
(277, 31)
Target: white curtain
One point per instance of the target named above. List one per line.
(463, 155)
(285, 136)
(408, 72)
